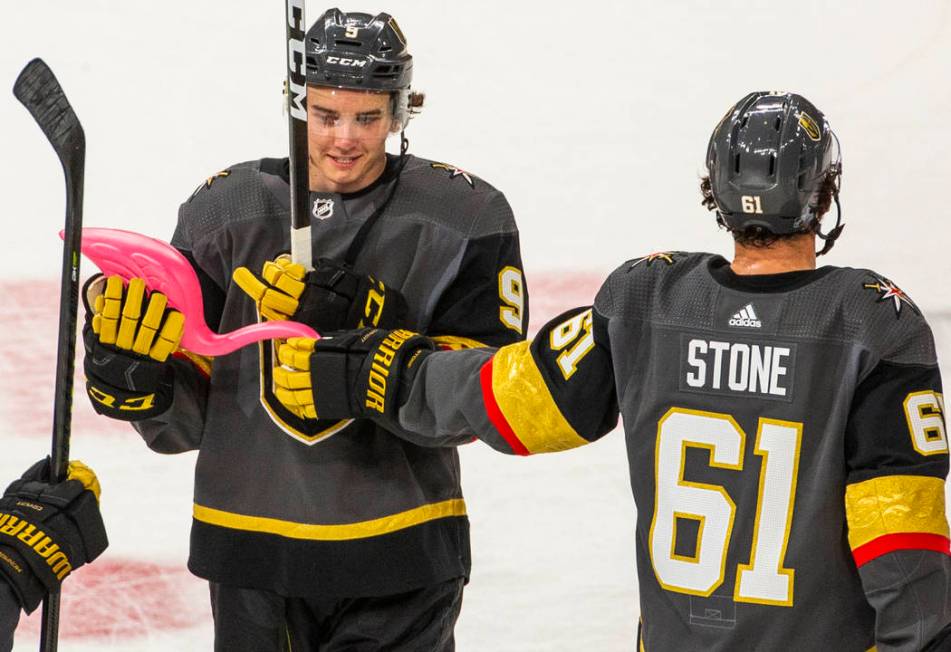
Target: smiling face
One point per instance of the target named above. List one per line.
(346, 138)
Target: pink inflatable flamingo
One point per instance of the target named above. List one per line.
(166, 270)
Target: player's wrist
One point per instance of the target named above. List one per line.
(27, 588)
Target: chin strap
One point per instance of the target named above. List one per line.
(836, 231)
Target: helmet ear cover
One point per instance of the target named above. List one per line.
(405, 105)
(768, 160)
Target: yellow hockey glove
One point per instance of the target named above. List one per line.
(331, 297)
(277, 296)
(349, 374)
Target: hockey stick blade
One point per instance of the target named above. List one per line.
(38, 90)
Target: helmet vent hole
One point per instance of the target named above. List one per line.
(746, 119)
(387, 72)
(772, 164)
(779, 122)
(348, 43)
(736, 163)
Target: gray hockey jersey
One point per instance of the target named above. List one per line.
(341, 508)
(786, 443)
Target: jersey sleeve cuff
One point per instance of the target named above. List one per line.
(895, 512)
(520, 405)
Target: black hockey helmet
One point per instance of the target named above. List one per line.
(358, 51)
(362, 52)
(767, 160)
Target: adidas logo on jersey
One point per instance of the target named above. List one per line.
(746, 317)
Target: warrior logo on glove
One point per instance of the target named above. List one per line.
(48, 530)
(360, 374)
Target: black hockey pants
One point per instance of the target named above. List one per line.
(250, 620)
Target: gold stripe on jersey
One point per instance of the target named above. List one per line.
(456, 343)
(341, 532)
(528, 406)
(894, 504)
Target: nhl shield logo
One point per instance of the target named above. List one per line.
(323, 208)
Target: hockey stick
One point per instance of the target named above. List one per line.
(296, 91)
(41, 94)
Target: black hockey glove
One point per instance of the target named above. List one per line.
(128, 337)
(331, 297)
(48, 530)
(350, 374)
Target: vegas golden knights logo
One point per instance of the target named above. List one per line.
(306, 431)
(454, 172)
(890, 293)
(809, 126)
(207, 183)
(668, 257)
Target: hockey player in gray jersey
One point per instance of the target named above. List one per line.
(326, 533)
(784, 424)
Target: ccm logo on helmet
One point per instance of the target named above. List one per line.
(343, 61)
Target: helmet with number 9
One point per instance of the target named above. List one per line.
(357, 51)
(768, 159)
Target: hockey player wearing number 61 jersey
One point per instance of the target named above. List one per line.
(784, 424)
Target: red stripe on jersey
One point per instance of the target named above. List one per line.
(495, 414)
(900, 541)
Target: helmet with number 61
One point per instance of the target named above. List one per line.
(774, 169)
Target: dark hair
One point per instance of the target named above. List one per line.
(757, 236)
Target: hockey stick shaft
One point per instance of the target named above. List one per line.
(37, 88)
(296, 89)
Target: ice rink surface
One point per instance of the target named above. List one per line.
(593, 119)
